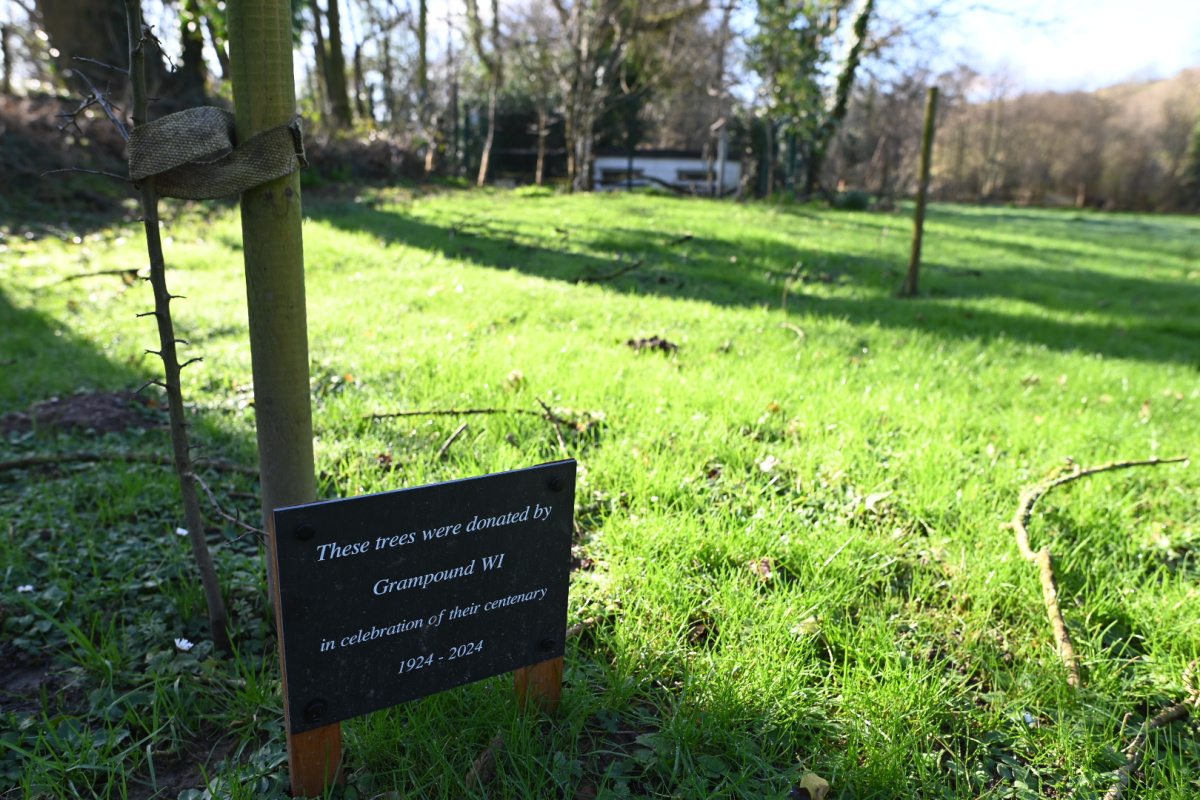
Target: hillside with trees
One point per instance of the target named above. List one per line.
(806, 95)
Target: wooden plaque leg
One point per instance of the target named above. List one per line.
(315, 760)
(539, 688)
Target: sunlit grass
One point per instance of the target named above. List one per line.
(791, 524)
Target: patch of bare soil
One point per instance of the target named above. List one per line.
(187, 771)
(98, 412)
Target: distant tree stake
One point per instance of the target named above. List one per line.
(914, 261)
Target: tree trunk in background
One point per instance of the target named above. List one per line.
(360, 89)
(320, 53)
(423, 81)
(841, 97)
(86, 29)
(335, 68)
(769, 187)
(191, 79)
(540, 175)
(6, 81)
(219, 46)
(493, 63)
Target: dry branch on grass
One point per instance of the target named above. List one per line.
(442, 451)
(45, 459)
(608, 276)
(1044, 560)
(1135, 750)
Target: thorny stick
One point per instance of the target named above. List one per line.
(261, 534)
(1044, 560)
(218, 619)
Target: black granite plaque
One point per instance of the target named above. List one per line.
(389, 597)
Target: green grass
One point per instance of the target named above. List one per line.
(896, 645)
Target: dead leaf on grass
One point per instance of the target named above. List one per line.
(764, 568)
(811, 787)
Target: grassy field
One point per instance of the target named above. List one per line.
(791, 527)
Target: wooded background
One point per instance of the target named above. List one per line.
(815, 97)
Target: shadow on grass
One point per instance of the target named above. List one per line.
(1110, 315)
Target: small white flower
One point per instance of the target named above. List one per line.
(28, 587)
(769, 463)
(181, 531)
(184, 644)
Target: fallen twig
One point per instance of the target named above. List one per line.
(1134, 752)
(1044, 560)
(796, 329)
(610, 275)
(149, 458)
(483, 769)
(453, 412)
(687, 237)
(450, 441)
(562, 443)
(580, 627)
(128, 274)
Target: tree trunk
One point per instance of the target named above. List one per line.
(219, 46)
(320, 54)
(486, 156)
(819, 148)
(191, 80)
(360, 89)
(540, 175)
(423, 81)
(770, 182)
(92, 29)
(335, 66)
(6, 81)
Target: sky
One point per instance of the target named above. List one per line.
(1080, 44)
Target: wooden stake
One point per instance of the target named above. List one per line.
(314, 757)
(539, 688)
(914, 261)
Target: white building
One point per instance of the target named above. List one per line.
(683, 171)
